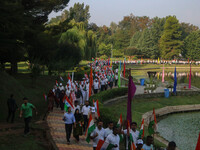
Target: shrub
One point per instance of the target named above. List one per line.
(109, 94)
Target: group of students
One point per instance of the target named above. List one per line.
(157, 61)
(103, 78)
(113, 134)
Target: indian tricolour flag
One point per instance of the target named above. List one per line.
(96, 105)
(119, 124)
(102, 145)
(153, 123)
(90, 128)
(67, 104)
(132, 145)
(141, 134)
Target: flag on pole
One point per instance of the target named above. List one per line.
(132, 145)
(175, 81)
(110, 63)
(124, 67)
(45, 97)
(131, 93)
(90, 128)
(158, 60)
(153, 123)
(56, 83)
(61, 78)
(96, 105)
(190, 78)
(102, 145)
(141, 133)
(163, 74)
(91, 82)
(68, 103)
(119, 124)
(119, 80)
(72, 77)
(198, 143)
(158, 75)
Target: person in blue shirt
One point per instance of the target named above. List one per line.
(69, 120)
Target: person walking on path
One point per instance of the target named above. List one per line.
(85, 111)
(12, 106)
(69, 120)
(79, 121)
(26, 111)
(98, 134)
(51, 99)
(114, 138)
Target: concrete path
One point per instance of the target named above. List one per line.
(57, 131)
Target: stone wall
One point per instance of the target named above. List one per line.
(152, 95)
(169, 110)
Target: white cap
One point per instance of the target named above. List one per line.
(139, 141)
(60, 83)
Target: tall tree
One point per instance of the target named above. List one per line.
(156, 32)
(170, 42)
(80, 13)
(192, 45)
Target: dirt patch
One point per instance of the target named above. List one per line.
(12, 136)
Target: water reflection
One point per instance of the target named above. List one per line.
(182, 128)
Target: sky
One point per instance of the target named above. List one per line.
(103, 12)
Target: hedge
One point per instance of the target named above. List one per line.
(109, 94)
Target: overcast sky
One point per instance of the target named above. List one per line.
(103, 12)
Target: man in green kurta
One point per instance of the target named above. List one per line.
(26, 111)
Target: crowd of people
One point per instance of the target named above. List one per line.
(77, 119)
(111, 135)
(157, 61)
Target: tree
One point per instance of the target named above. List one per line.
(170, 42)
(91, 45)
(11, 33)
(156, 32)
(104, 50)
(80, 13)
(192, 45)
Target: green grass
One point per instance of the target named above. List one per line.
(19, 142)
(21, 86)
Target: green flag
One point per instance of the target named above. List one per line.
(119, 80)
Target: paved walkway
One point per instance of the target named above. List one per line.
(57, 130)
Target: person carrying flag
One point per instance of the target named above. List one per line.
(98, 134)
(133, 132)
(114, 138)
(69, 120)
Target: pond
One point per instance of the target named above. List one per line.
(183, 128)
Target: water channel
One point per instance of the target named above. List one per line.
(183, 128)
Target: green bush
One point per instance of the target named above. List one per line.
(81, 73)
(109, 94)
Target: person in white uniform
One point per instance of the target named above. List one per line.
(109, 130)
(113, 139)
(133, 132)
(98, 134)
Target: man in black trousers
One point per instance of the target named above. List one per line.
(12, 106)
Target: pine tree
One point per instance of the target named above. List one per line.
(170, 43)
